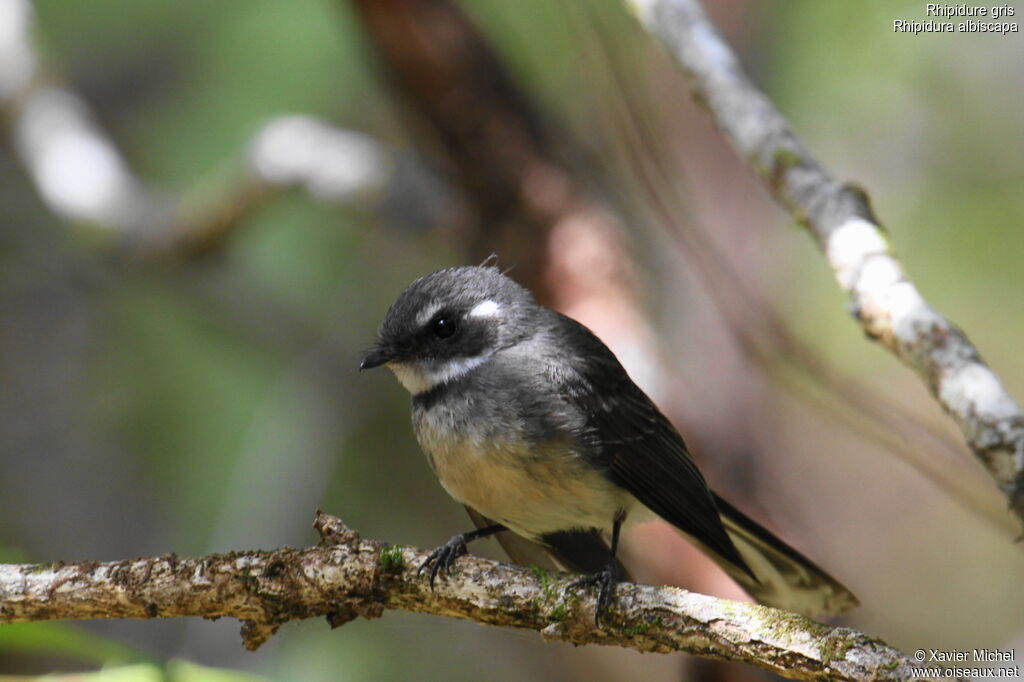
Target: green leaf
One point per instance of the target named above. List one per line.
(66, 640)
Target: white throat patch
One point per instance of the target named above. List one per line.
(420, 377)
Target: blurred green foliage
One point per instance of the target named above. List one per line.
(175, 671)
(67, 641)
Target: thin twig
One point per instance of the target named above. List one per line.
(839, 216)
(349, 576)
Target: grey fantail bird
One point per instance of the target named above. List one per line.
(529, 421)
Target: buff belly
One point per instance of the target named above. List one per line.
(531, 488)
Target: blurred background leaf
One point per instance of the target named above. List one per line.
(175, 671)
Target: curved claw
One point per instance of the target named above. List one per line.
(443, 558)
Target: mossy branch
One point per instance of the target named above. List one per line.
(348, 576)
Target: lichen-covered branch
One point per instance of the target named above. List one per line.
(884, 301)
(349, 576)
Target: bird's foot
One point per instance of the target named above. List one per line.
(605, 579)
(443, 558)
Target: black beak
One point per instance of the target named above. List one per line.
(376, 357)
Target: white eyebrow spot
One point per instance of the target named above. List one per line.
(485, 309)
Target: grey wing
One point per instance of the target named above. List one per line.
(637, 447)
(643, 453)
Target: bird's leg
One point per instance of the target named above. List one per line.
(443, 558)
(606, 578)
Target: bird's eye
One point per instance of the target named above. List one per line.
(444, 327)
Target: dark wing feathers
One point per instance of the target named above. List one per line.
(635, 444)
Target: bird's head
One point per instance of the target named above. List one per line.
(449, 322)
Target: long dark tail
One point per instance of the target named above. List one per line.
(785, 578)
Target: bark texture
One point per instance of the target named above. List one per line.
(348, 576)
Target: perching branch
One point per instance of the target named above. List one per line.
(884, 301)
(348, 576)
